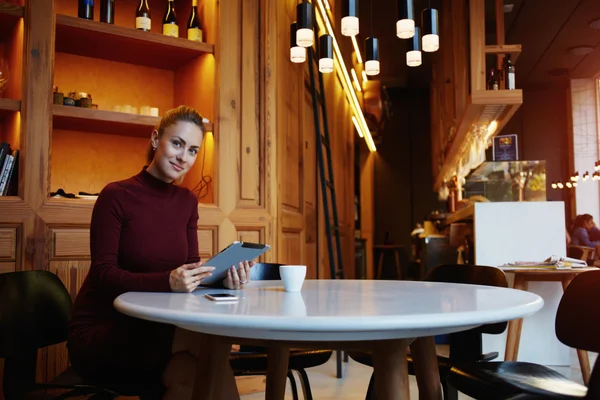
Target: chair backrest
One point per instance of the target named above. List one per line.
(466, 345)
(578, 309)
(265, 272)
(35, 308)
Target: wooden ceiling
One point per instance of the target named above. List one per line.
(547, 30)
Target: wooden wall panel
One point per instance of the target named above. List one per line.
(291, 248)
(71, 243)
(250, 150)
(7, 267)
(207, 243)
(8, 244)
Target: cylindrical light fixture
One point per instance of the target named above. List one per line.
(305, 36)
(431, 28)
(413, 55)
(405, 26)
(350, 17)
(372, 56)
(325, 54)
(297, 53)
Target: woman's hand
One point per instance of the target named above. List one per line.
(237, 279)
(187, 277)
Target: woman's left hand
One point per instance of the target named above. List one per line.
(238, 278)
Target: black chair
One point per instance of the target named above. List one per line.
(35, 308)
(466, 346)
(576, 326)
(252, 360)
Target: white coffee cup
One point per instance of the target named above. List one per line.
(292, 277)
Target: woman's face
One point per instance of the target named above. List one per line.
(176, 150)
(589, 224)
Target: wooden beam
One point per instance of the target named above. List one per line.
(477, 28)
(460, 43)
(500, 33)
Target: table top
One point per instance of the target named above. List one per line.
(335, 310)
(545, 271)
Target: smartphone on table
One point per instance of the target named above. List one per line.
(221, 297)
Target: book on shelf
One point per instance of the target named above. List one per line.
(9, 163)
(553, 262)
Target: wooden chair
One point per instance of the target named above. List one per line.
(465, 346)
(35, 308)
(576, 326)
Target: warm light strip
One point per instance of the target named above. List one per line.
(364, 74)
(346, 82)
(327, 5)
(356, 49)
(356, 82)
(357, 127)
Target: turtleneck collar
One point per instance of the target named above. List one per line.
(148, 179)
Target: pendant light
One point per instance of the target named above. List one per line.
(297, 53)
(405, 26)
(413, 55)
(350, 17)
(372, 51)
(430, 26)
(305, 35)
(325, 54)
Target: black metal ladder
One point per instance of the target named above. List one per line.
(326, 178)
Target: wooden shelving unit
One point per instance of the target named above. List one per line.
(483, 107)
(116, 43)
(464, 214)
(102, 121)
(8, 106)
(470, 105)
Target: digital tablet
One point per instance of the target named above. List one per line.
(233, 254)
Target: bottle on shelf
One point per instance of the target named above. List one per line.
(194, 30)
(107, 11)
(86, 9)
(493, 80)
(143, 20)
(169, 24)
(510, 74)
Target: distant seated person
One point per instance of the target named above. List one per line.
(585, 231)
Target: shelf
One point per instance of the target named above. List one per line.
(9, 16)
(116, 43)
(101, 121)
(513, 49)
(483, 107)
(8, 106)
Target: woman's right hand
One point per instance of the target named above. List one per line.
(187, 277)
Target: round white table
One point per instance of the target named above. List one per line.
(380, 316)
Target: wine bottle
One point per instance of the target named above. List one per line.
(194, 30)
(107, 11)
(86, 9)
(170, 27)
(143, 20)
(493, 80)
(510, 74)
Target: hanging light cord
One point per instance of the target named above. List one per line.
(372, 18)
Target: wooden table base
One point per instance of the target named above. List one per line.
(389, 363)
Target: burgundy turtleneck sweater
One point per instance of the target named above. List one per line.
(142, 228)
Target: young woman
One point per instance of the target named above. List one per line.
(584, 229)
(143, 237)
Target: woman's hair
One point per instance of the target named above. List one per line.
(171, 117)
(581, 219)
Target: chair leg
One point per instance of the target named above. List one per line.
(338, 359)
(450, 392)
(371, 394)
(345, 356)
(305, 384)
(293, 385)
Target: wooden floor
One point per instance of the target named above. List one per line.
(353, 385)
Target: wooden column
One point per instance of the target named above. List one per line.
(461, 54)
(500, 34)
(477, 27)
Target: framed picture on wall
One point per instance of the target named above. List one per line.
(506, 148)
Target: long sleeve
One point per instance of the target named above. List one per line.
(192, 234)
(105, 231)
(581, 238)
